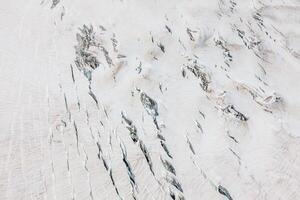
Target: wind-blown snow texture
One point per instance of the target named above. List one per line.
(150, 99)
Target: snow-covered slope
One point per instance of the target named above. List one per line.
(150, 99)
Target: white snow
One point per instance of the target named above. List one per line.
(219, 116)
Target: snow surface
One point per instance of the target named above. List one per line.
(150, 99)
